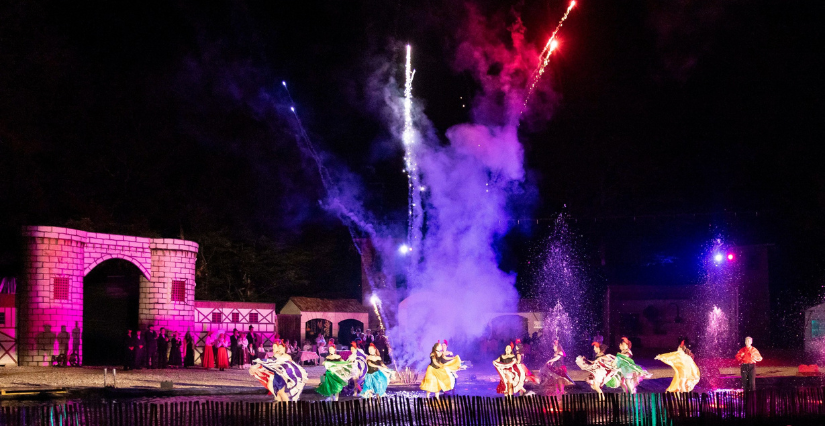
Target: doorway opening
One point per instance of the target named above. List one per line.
(111, 298)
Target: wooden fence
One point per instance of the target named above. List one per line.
(796, 406)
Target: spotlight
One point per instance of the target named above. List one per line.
(404, 249)
(718, 257)
(730, 256)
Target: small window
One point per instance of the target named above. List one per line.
(178, 290)
(253, 317)
(817, 329)
(2, 318)
(61, 288)
(216, 317)
(236, 317)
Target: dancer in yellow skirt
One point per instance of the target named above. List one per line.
(438, 377)
(685, 371)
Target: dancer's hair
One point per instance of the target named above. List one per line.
(435, 348)
(558, 345)
(627, 342)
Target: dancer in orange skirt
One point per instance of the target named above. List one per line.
(208, 353)
(223, 358)
(438, 377)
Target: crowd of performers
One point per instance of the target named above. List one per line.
(364, 374)
(164, 349)
(361, 374)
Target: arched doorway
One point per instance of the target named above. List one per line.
(345, 328)
(111, 295)
(316, 326)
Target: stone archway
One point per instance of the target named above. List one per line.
(111, 304)
(52, 292)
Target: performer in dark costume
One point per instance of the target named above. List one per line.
(174, 351)
(189, 358)
(163, 349)
(252, 344)
(235, 349)
(151, 347)
(138, 350)
(129, 351)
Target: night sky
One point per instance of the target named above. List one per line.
(669, 123)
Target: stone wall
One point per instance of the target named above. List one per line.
(59, 258)
(172, 260)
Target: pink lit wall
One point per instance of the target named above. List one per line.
(68, 255)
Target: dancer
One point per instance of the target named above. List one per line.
(512, 377)
(685, 372)
(528, 375)
(280, 375)
(338, 373)
(748, 357)
(174, 351)
(208, 355)
(554, 375)
(359, 370)
(437, 378)
(602, 369)
(223, 358)
(189, 358)
(378, 375)
(630, 374)
(448, 357)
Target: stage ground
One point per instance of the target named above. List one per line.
(480, 380)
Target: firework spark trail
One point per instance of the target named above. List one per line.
(415, 209)
(346, 215)
(544, 58)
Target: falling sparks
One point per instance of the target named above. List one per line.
(415, 188)
(544, 58)
(375, 302)
(409, 73)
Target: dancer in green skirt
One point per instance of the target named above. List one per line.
(630, 374)
(336, 377)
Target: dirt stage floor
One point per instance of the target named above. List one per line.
(479, 380)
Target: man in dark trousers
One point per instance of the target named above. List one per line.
(748, 357)
(163, 348)
(151, 347)
(252, 342)
(129, 351)
(234, 342)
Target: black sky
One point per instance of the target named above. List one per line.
(162, 118)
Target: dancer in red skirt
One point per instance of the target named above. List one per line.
(223, 358)
(208, 353)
